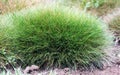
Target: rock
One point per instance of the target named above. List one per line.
(34, 73)
(117, 41)
(66, 70)
(118, 55)
(27, 70)
(117, 61)
(33, 70)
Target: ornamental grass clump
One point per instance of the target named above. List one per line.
(57, 37)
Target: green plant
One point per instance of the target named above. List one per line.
(107, 7)
(96, 7)
(17, 71)
(57, 37)
(4, 0)
(92, 3)
(99, 3)
(7, 58)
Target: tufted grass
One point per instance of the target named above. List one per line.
(56, 37)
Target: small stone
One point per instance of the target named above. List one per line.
(34, 68)
(118, 62)
(31, 70)
(118, 55)
(66, 70)
(34, 73)
(27, 70)
(119, 67)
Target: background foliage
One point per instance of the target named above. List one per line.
(114, 26)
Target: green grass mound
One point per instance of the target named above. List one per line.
(114, 26)
(56, 37)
